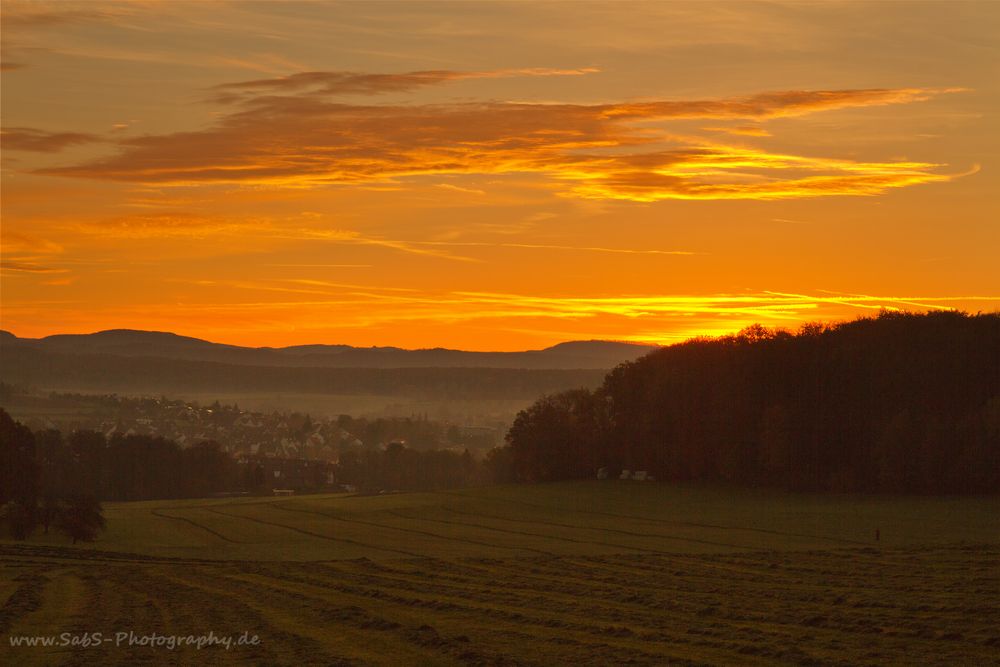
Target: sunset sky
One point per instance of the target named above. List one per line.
(494, 176)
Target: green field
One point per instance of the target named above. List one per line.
(594, 573)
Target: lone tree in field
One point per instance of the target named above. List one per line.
(80, 518)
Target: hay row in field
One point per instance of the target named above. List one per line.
(842, 606)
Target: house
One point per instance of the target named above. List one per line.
(295, 474)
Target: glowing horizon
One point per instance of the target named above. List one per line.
(503, 177)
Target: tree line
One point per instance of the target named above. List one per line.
(51, 480)
(397, 467)
(417, 432)
(48, 479)
(898, 403)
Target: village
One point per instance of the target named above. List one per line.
(285, 451)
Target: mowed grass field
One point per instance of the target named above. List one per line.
(591, 573)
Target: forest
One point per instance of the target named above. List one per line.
(896, 403)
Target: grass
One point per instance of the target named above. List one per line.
(594, 573)
(585, 518)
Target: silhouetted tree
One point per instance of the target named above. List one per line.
(56, 470)
(80, 517)
(557, 437)
(18, 476)
(499, 464)
(88, 451)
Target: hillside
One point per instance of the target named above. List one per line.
(90, 372)
(129, 343)
(896, 403)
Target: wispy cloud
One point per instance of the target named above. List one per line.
(27, 267)
(730, 172)
(458, 188)
(165, 225)
(606, 151)
(360, 83)
(185, 225)
(28, 245)
(779, 104)
(26, 254)
(37, 15)
(546, 246)
(42, 141)
(300, 265)
(742, 130)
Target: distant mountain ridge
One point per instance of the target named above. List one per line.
(593, 354)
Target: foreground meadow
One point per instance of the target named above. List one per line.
(594, 573)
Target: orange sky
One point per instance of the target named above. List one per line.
(494, 175)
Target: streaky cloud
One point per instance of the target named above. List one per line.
(27, 267)
(546, 246)
(42, 141)
(603, 151)
(360, 83)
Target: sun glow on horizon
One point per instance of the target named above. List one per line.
(301, 178)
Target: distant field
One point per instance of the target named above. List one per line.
(550, 574)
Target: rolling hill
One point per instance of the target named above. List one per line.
(132, 343)
(149, 362)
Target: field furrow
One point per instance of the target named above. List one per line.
(541, 575)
